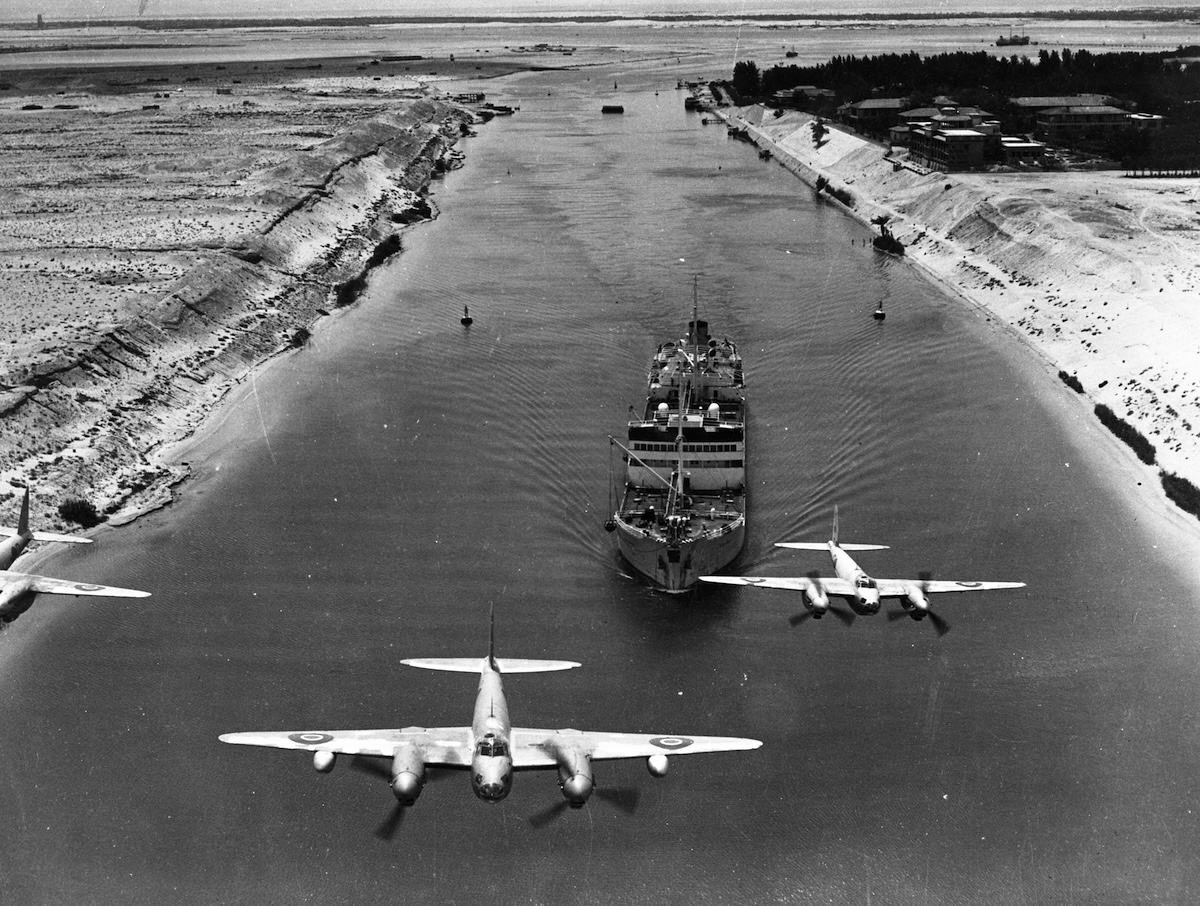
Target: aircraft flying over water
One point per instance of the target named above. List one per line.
(17, 590)
(854, 584)
(491, 748)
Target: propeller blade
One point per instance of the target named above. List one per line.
(623, 798)
(368, 764)
(547, 815)
(846, 616)
(391, 823)
(939, 624)
(797, 619)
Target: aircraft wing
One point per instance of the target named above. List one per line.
(450, 746)
(44, 585)
(537, 748)
(832, 585)
(8, 531)
(899, 587)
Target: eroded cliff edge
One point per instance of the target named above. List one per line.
(90, 419)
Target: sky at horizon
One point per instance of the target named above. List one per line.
(23, 10)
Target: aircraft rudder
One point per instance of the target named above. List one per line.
(492, 634)
(23, 522)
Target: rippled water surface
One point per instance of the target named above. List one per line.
(366, 498)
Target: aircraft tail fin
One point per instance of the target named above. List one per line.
(491, 662)
(492, 634)
(848, 546)
(23, 528)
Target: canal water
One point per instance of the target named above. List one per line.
(366, 499)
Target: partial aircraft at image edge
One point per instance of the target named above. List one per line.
(17, 590)
(491, 748)
(853, 583)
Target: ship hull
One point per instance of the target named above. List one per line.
(675, 569)
(683, 512)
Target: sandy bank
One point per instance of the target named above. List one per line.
(154, 250)
(1097, 272)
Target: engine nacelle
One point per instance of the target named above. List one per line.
(408, 774)
(916, 601)
(577, 788)
(575, 777)
(816, 600)
(658, 765)
(15, 600)
(323, 761)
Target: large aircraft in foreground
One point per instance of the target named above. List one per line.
(17, 590)
(491, 748)
(853, 583)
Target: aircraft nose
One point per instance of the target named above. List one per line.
(491, 791)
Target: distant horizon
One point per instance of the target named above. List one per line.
(27, 11)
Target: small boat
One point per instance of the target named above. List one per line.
(879, 313)
(466, 318)
(612, 108)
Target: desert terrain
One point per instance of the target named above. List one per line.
(164, 229)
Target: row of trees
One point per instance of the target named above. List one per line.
(1159, 81)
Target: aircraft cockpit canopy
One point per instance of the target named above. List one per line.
(866, 582)
(492, 747)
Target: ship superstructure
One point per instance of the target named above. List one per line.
(683, 513)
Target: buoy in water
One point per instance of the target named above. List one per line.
(879, 313)
(466, 318)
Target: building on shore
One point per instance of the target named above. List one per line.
(949, 137)
(1082, 124)
(1018, 151)
(1024, 111)
(873, 114)
(947, 148)
(804, 97)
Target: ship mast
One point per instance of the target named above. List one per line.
(685, 391)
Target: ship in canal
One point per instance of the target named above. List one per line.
(683, 512)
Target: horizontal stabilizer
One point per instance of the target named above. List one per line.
(824, 546)
(46, 536)
(476, 665)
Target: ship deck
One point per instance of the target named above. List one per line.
(709, 514)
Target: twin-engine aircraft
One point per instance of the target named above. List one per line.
(17, 590)
(853, 583)
(491, 748)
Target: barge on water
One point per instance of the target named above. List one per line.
(683, 513)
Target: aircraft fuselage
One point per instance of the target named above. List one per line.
(866, 589)
(491, 762)
(11, 548)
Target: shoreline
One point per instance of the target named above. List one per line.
(180, 311)
(1091, 273)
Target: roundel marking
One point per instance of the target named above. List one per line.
(969, 584)
(671, 742)
(311, 739)
(83, 587)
